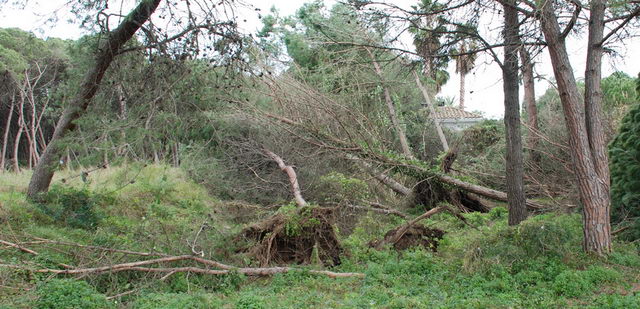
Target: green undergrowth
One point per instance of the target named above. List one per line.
(486, 264)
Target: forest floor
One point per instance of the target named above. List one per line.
(157, 211)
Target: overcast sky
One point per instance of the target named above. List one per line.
(484, 83)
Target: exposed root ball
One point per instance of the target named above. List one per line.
(430, 193)
(290, 237)
(416, 235)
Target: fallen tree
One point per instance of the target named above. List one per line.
(291, 236)
(424, 176)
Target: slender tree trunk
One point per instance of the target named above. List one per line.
(530, 105)
(593, 190)
(404, 144)
(463, 77)
(515, 170)
(16, 145)
(432, 111)
(5, 136)
(593, 91)
(44, 171)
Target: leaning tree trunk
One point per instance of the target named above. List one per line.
(432, 111)
(43, 172)
(593, 189)
(515, 170)
(530, 105)
(404, 144)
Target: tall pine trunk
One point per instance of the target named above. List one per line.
(593, 189)
(515, 170)
(43, 172)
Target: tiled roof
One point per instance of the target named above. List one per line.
(450, 112)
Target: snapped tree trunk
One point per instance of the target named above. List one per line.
(43, 172)
(514, 164)
(593, 189)
(530, 105)
(293, 177)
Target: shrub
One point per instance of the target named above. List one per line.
(572, 283)
(77, 208)
(615, 301)
(69, 294)
(624, 152)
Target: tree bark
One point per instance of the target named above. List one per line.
(514, 164)
(432, 111)
(596, 220)
(44, 171)
(530, 105)
(404, 144)
(592, 188)
(593, 91)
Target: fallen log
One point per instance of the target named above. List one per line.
(484, 191)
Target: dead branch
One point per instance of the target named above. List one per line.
(143, 267)
(21, 248)
(293, 178)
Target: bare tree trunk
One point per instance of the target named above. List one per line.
(432, 111)
(5, 136)
(463, 78)
(293, 178)
(44, 171)
(404, 144)
(515, 170)
(530, 105)
(593, 190)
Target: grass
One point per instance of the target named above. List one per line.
(538, 264)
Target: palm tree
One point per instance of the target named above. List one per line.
(464, 64)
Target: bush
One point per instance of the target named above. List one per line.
(77, 208)
(624, 153)
(572, 283)
(69, 294)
